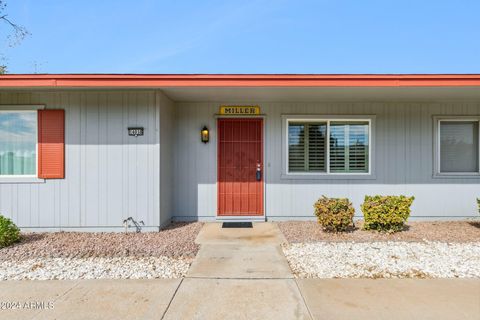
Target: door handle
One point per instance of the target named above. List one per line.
(258, 174)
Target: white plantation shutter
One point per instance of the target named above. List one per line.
(317, 147)
(337, 148)
(307, 147)
(296, 147)
(358, 148)
(349, 147)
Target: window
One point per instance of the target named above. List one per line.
(328, 146)
(307, 147)
(18, 143)
(458, 146)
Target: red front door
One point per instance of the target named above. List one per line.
(240, 167)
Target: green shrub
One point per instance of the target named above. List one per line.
(386, 213)
(478, 204)
(334, 214)
(9, 232)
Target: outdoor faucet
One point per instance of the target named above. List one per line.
(137, 224)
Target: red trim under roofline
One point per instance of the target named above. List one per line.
(234, 80)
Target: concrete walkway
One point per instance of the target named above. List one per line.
(242, 274)
(240, 253)
(239, 274)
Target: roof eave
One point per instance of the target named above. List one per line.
(233, 80)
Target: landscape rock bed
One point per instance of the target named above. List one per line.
(84, 255)
(384, 259)
(444, 231)
(93, 268)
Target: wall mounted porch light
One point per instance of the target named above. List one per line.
(205, 134)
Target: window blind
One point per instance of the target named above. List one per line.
(358, 148)
(307, 147)
(337, 148)
(459, 146)
(296, 147)
(317, 147)
(349, 147)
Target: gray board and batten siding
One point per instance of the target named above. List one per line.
(169, 173)
(402, 161)
(109, 175)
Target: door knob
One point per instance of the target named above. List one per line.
(258, 175)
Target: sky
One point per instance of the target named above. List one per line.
(259, 36)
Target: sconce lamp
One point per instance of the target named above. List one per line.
(205, 134)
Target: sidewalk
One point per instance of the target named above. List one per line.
(242, 274)
(89, 299)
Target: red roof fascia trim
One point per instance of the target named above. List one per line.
(165, 80)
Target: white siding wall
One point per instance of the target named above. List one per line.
(109, 175)
(403, 161)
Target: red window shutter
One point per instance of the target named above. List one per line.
(51, 144)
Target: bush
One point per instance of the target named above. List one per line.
(334, 214)
(478, 204)
(9, 232)
(386, 213)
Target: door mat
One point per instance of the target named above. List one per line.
(237, 225)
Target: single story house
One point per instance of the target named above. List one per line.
(85, 152)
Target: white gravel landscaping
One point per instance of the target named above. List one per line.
(101, 255)
(93, 268)
(384, 259)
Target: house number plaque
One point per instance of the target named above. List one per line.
(135, 132)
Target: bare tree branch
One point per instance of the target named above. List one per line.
(19, 32)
